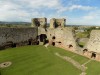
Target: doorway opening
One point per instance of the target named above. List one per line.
(53, 43)
(93, 55)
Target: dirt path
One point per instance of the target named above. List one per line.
(87, 62)
(75, 63)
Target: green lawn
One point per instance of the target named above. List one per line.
(37, 60)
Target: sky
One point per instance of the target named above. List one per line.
(76, 12)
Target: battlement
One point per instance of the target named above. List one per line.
(54, 23)
(39, 22)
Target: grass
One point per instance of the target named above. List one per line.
(37, 60)
(78, 58)
(82, 34)
(93, 68)
(81, 44)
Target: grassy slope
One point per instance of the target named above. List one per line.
(93, 67)
(76, 57)
(37, 60)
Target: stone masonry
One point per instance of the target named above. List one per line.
(56, 34)
(94, 41)
(54, 23)
(63, 37)
(93, 45)
(10, 37)
(59, 35)
(40, 22)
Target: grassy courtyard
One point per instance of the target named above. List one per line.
(38, 60)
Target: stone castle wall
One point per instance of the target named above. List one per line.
(94, 41)
(58, 34)
(63, 37)
(92, 48)
(17, 36)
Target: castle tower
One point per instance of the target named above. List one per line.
(54, 23)
(39, 22)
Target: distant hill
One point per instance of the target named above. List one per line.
(29, 23)
(2, 22)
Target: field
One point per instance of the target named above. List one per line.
(38, 60)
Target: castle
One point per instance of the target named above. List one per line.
(57, 34)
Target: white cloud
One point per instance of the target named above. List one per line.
(46, 3)
(73, 7)
(81, 7)
(88, 17)
(10, 11)
(91, 18)
(92, 15)
(23, 10)
(40, 3)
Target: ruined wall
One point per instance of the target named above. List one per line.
(60, 36)
(39, 22)
(94, 41)
(54, 23)
(17, 36)
(63, 37)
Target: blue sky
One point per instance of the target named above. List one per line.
(84, 12)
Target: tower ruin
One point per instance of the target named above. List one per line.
(54, 23)
(39, 22)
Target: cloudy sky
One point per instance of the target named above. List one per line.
(75, 11)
